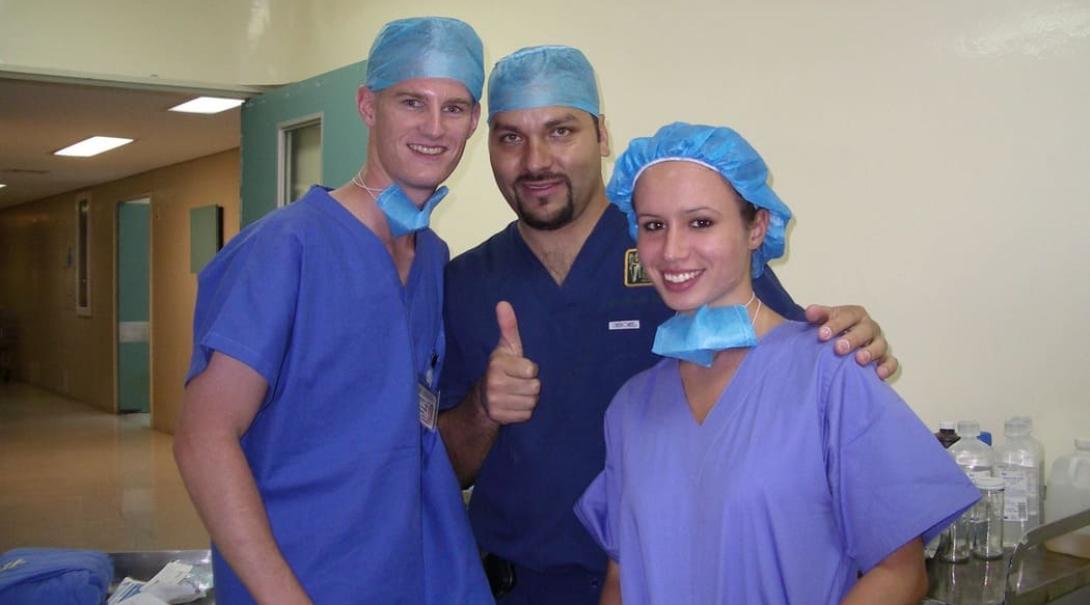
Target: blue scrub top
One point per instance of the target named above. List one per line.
(355, 493)
(587, 336)
(808, 471)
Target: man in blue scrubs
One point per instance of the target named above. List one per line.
(546, 320)
(307, 436)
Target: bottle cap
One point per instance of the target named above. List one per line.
(1016, 426)
(991, 483)
(947, 425)
(968, 428)
(1028, 422)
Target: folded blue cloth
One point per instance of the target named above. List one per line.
(55, 576)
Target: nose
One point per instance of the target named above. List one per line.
(676, 246)
(433, 125)
(538, 156)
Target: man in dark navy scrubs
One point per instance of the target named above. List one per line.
(545, 321)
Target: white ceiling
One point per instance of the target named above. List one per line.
(38, 118)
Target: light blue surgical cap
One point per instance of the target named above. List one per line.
(426, 47)
(718, 148)
(542, 76)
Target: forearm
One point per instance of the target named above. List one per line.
(468, 434)
(225, 495)
(611, 587)
(900, 578)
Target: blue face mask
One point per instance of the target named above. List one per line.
(402, 215)
(697, 337)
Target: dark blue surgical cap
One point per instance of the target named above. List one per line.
(717, 148)
(426, 47)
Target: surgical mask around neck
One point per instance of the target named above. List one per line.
(401, 213)
(698, 336)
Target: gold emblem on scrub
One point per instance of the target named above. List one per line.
(633, 271)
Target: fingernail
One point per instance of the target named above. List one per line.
(826, 333)
(842, 346)
(865, 356)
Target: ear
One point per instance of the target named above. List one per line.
(603, 136)
(758, 229)
(365, 104)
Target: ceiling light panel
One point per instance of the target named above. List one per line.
(207, 105)
(92, 146)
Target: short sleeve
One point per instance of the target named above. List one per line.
(890, 478)
(246, 303)
(466, 325)
(598, 509)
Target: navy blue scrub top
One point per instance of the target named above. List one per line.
(588, 336)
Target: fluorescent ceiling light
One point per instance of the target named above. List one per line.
(207, 105)
(93, 146)
(2, 185)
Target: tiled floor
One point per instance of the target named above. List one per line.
(72, 476)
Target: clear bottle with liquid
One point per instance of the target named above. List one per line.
(1018, 464)
(1069, 493)
(972, 455)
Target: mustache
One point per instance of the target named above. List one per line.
(533, 177)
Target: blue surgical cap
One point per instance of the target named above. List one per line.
(718, 148)
(426, 47)
(542, 76)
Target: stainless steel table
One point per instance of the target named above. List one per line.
(1026, 575)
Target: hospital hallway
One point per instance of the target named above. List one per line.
(73, 476)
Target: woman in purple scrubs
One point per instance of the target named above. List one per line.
(752, 464)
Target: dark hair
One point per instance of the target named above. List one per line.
(748, 211)
(597, 127)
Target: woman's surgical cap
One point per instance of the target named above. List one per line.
(426, 47)
(718, 148)
(542, 76)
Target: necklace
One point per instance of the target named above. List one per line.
(357, 180)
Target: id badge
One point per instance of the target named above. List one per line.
(428, 401)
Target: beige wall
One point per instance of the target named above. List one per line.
(74, 355)
(934, 152)
(935, 155)
(213, 43)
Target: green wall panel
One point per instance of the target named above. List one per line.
(344, 137)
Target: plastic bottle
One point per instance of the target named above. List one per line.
(947, 436)
(971, 454)
(1017, 463)
(1040, 463)
(1069, 493)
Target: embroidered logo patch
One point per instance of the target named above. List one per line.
(627, 324)
(634, 275)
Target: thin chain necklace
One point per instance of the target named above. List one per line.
(357, 180)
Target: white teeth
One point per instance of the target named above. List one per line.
(426, 150)
(677, 278)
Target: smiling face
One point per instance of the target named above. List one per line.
(548, 163)
(693, 240)
(418, 131)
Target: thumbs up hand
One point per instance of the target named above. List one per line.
(510, 387)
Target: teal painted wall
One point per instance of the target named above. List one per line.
(344, 137)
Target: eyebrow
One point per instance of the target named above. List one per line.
(408, 94)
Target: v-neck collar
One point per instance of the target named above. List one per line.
(735, 391)
(368, 239)
(593, 246)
